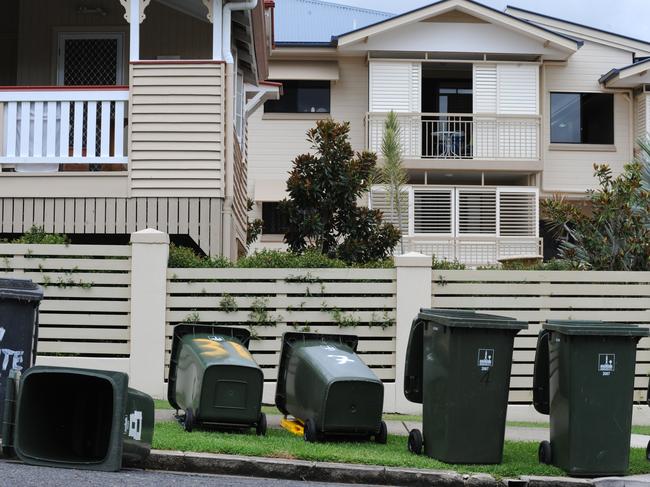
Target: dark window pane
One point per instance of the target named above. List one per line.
(301, 97)
(275, 222)
(565, 118)
(582, 118)
(597, 118)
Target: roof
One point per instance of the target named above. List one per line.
(315, 22)
(472, 5)
(623, 77)
(512, 7)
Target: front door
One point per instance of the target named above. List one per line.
(90, 59)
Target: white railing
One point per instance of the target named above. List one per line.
(461, 135)
(45, 127)
(476, 251)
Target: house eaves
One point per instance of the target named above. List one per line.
(640, 46)
(629, 76)
(471, 7)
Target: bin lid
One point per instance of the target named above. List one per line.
(20, 289)
(575, 327)
(470, 319)
(240, 334)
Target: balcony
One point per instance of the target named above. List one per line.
(464, 138)
(52, 129)
(474, 225)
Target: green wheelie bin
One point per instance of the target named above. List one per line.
(584, 378)
(76, 418)
(214, 379)
(324, 384)
(458, 367)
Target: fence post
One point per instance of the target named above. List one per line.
(149, 254)
(413, 292)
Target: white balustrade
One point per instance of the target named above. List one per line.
(43, 128)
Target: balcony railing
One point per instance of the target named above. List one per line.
(461, 136)
(46, 129)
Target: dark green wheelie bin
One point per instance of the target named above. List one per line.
(584, 378)
(76, 418)
(214, 379)
(458, 367)
(19, 302)
(324, 383)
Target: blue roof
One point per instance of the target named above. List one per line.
(316, 22)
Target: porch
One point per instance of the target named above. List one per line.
(474, 225)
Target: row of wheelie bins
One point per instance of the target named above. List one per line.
(458, 366)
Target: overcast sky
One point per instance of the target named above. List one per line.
(627, 17)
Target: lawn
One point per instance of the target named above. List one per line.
(520, 458)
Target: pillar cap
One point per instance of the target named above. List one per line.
(412, 259)
(149, 236)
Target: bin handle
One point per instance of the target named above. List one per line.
(541, 374)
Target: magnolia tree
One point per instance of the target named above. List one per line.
(324, 189)
(615, 233)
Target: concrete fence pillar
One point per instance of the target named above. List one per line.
(413, 292)
(149, 254)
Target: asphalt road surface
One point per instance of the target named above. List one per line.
(16, 474)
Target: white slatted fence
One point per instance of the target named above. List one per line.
(354, 301)
(85, 314)
(535, 296)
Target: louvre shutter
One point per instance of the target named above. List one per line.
(477, 211)
(518, 213)
(432, 211)
(380, 200)
(396, 86)
(485, 102)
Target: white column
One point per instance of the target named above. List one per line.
(413, 292)
(134, 34)
(149, 254)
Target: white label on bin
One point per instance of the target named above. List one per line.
(606, 363)
(2, 332)
(329, 348)
(485, 358)
(341, 359)
(133, 425)
(215, 338)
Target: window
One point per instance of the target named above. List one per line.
(239, 107)
(582, 118)
(301, 97)
(275, 222)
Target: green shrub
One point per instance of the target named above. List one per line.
(447, 265)
(37, 235)
(282, 259)
(184, 257)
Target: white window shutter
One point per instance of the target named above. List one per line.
(518, 212)
(379, 200)
(517, 89)
(477, 211)
(433, 211)
(485, 88)
(396, 86)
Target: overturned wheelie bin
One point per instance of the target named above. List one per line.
(584, 378)
(328, 390)
(458, 367)
(214, 380)
(76, 418)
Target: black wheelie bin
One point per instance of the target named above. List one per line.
(214, 379)
(19, 302)
(458, 367)
(584, 378)
(76, 418)
(325, 385)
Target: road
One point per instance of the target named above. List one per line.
(19, 475)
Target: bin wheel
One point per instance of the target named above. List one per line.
(311, 435)
(544, 452)
(415, 441)
(188, 421)
(260, 429)
(382, 436)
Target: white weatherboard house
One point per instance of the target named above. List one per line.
(497, 109)
(118, 115)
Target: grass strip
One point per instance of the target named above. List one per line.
(520, 458)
